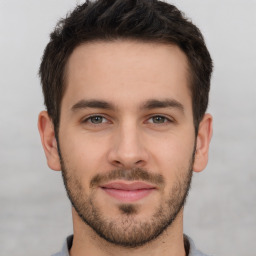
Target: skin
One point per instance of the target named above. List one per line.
(126, 75)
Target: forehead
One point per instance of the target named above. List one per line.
(126, 72)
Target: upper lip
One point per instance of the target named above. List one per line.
(128, 186)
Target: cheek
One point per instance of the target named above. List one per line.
(84, 155)
(173, 154)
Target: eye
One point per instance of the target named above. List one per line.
(95, 120)
(159, 120)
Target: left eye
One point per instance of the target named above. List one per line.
(158, 119)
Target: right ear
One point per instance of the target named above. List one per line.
(46, 130)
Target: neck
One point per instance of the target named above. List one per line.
(87, 242)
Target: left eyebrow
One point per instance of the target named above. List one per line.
(167, 103)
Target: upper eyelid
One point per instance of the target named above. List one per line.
(169, 118)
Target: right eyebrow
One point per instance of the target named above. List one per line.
(83, 104)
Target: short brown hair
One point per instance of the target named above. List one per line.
(140, 20)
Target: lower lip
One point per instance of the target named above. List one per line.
(128, 195)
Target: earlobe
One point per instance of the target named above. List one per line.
(48, 140)
(203, 142)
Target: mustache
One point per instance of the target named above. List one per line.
(128, 175)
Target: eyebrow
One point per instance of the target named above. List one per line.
(167, 103)
(148, 105)
(82, 104)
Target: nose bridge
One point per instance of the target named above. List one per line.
(128, 150)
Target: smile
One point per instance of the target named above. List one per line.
(128, 192)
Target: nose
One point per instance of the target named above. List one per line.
(127, 148)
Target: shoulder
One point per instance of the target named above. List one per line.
(193, 251)
(65, 248)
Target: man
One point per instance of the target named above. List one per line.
(126, 88)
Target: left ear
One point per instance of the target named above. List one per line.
(203, 141)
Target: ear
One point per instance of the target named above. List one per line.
(203, 141)
(46, 130)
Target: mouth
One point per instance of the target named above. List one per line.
(128, 192)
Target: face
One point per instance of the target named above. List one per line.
(126, 138)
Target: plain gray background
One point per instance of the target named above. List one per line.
(220, 213)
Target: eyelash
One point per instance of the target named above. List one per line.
(166, 120)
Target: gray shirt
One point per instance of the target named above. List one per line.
(189, 246)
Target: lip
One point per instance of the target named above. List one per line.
(128, 192)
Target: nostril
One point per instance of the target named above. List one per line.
(118, 163)
(139, 162)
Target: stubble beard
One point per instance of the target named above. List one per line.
(126, 230)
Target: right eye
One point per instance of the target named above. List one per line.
(95, 119)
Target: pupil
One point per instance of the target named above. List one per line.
(96, 119)
(158, 119)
